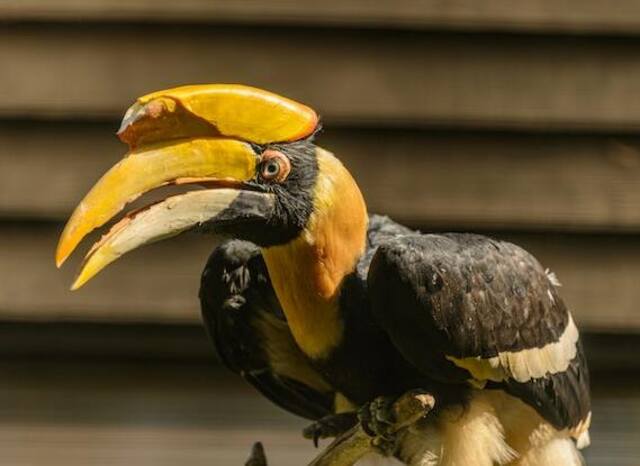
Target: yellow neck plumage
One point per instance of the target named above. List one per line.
(307, 273)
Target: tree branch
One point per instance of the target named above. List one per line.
(352, 445)
(349, 447)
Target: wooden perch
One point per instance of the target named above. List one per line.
(351, 446)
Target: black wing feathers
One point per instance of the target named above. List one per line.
(563, 398)
(241, 312)
(467, 296)
(481, 296)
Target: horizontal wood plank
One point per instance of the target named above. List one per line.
(458, 180)
(366, 77)
(445, 179)
(78, 340)
(573, 16)
(78, 413)
(609, 353)
(71, 413)
(160, 282)
(27, 444)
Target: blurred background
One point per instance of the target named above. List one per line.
(514, 118)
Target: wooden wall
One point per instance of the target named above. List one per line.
(476, 116)
(518, 118)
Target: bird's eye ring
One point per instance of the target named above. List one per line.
(275, 166)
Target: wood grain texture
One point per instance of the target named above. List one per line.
(444, 179)
(159, 283)
(79, 413)
(74, 413)
(499, 181)
(31, 340)
(570, 16)
(408, 64)
(364, 77)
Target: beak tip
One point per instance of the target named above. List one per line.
(79, 282)
(61, 255)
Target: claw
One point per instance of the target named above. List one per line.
(332, 425)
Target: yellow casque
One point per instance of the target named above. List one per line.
(229, 110)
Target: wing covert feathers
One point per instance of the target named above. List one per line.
(466, 307)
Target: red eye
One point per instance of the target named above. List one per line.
(275, 166)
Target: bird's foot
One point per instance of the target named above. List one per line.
(381, 424)
(385, 417)
(332, 425)
(378, 420)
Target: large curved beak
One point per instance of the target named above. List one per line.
(171, 217)
(193, 134)
(223, 163)
(150, 168)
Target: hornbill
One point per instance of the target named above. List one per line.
(326, 309)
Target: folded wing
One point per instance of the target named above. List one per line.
(465, 308)
(244, 319)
